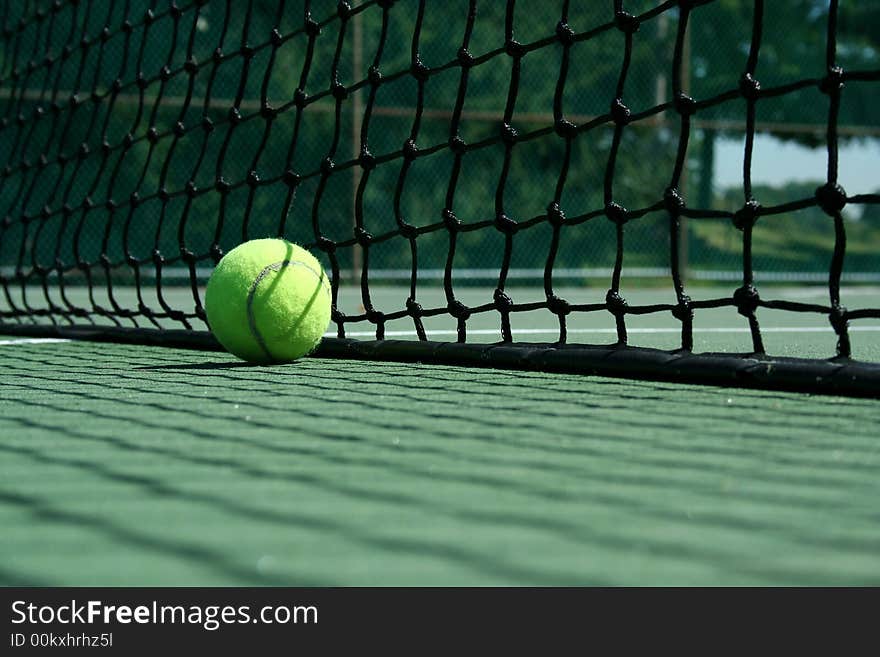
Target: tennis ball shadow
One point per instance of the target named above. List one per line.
(211, 365)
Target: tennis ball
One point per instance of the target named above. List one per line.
(268, 301)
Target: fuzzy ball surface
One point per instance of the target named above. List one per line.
(268, 301)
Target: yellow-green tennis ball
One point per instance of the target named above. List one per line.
(268, 301)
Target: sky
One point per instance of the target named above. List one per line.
(776, 163)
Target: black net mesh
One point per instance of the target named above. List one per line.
(419, 142)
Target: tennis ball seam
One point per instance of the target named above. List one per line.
(275, 266)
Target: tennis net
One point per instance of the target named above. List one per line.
(422, 142)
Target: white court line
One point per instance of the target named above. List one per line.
(535, 331)
(610, 331)
(822, 293)
(14, 341)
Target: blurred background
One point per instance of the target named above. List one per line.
(82, 49)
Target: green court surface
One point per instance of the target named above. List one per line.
(129, 465)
